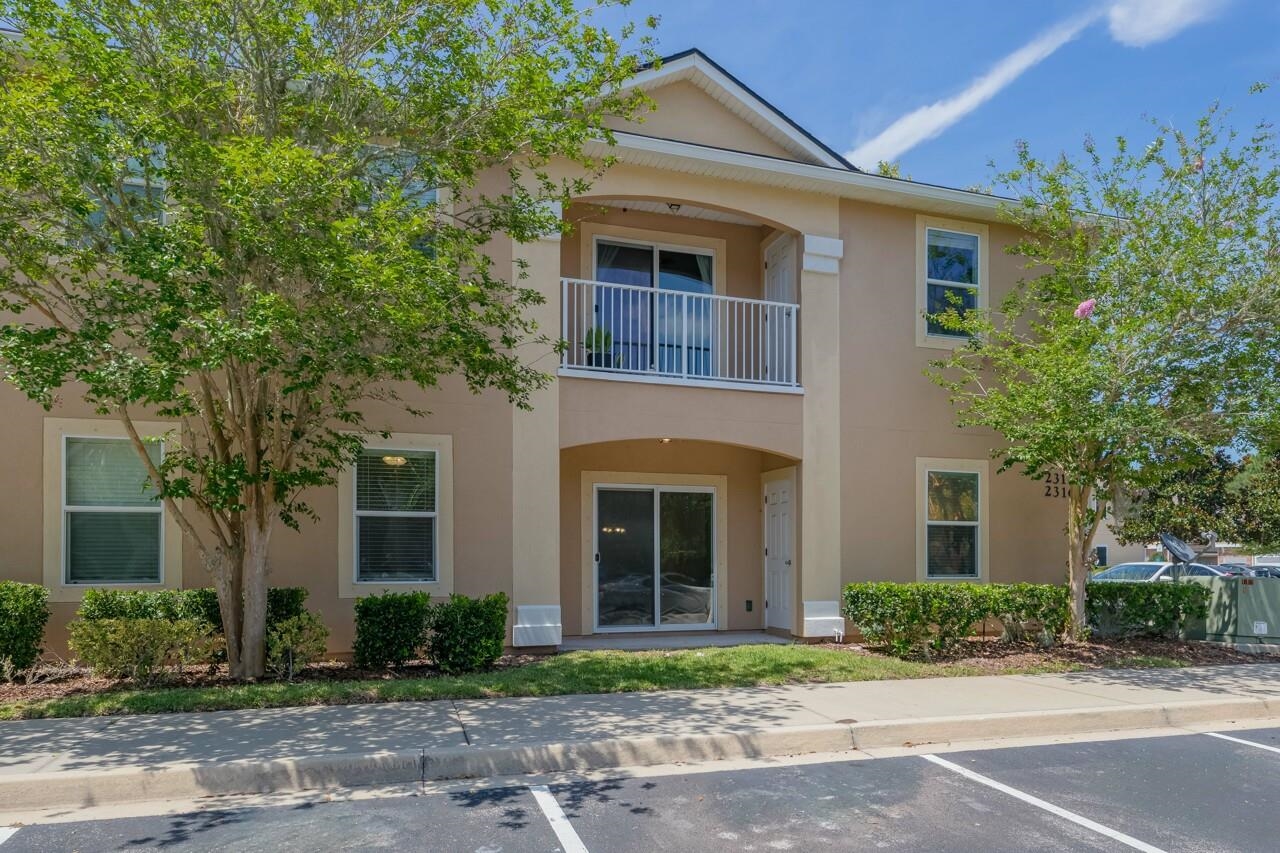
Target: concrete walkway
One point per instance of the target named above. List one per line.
(119, 759)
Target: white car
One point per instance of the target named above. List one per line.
(1144, 572)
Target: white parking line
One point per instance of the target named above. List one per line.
(556, 817)
(1041, 804)
(1243, 741)
(7, 832)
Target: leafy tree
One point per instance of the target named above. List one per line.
(1144, 328)
(1238, 500)
(254, 218)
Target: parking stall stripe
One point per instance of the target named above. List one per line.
(1243, 741)
(557, 818)
(1041, 804)
(7, 832)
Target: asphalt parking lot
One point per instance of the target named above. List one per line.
(1192, 792)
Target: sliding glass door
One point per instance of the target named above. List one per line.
(655, 557)
(649, 328)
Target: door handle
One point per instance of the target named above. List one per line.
(788, 562)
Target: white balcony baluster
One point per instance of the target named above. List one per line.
(632, 330)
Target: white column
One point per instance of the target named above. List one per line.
(535, 447)
(820, 476)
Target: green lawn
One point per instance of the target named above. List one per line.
(575, 672)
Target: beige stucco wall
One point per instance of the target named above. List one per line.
(685, 112)
(891, 413)
(741, 467)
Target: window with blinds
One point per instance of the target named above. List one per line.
(952, 524)
(396, 516)
(112, 516)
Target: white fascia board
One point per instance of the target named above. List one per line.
(697, 70)
(756, 168)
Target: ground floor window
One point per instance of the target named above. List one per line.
(952, 518)
(655, 556)
(113, 519)
(395, 507)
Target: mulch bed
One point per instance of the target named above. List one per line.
(57, 682)
(990, 654)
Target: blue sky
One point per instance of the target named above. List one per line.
(946, 87)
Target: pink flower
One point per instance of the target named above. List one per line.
(1085, 309)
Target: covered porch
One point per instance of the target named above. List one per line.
(668, 537)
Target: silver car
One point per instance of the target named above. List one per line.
(1143, 572)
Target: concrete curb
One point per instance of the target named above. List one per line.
(72, 789)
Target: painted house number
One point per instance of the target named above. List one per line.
(1055, 485)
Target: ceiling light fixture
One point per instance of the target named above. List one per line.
(394, 461)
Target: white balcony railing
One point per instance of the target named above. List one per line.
(682, 337)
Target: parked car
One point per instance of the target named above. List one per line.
(1144, 572)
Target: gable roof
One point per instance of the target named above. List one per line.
(700, 70)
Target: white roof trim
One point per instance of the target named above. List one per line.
(698, 70)
(755, 168)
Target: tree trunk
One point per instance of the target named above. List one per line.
(225, 569)
(1080, 533)
(253, 572)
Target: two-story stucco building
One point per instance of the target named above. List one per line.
(739, 425)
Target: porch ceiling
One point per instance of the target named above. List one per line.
(687, 210)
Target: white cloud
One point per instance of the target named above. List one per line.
(1138, 23)
(1135, 23)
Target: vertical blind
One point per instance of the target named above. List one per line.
(112, 515)
(396, 516)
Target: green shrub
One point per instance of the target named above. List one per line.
(139, 649)
(1023, 608)
(99, 604)
(467, 634)
(922, 619)
(24, 610)
(390, 628)
(1118, 609)
(295, 642)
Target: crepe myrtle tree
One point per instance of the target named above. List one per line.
(1138, 337)
(255, 218)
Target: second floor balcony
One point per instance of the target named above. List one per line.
(672, 336)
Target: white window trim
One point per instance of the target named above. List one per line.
(981, 467)
(56, 433)
(924, 224)
(348, 585)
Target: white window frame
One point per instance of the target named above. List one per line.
(434, 515)
(928, 465)
(57, 431)
(348, 555)
(655, 247)
(925, 224)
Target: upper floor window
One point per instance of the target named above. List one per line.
(112, 517)
(953, 276)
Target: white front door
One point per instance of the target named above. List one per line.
(779, 286)
(778, 558)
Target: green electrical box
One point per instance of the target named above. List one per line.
(1242, 611)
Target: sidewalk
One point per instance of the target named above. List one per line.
(120, 759)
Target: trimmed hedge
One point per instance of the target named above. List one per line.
(467, 634)
(390, 628)
(295, 642)
(140, 649)
(921, 619)
(200, 605)
(1118, 609)
(24, 610)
